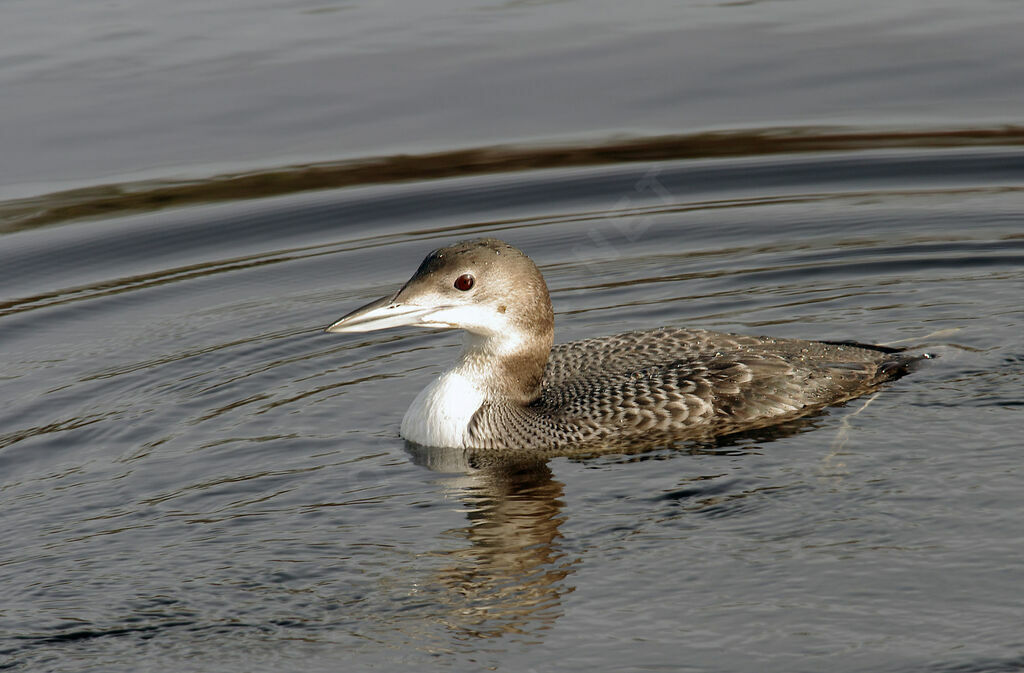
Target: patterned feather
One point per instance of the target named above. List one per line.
(680, 383)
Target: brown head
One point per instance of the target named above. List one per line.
(487, 288)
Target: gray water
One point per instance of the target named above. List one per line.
(94, 92)
(197, 478)
(194, 477)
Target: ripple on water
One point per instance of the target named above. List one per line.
(192, 469)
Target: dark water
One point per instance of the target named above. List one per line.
(193, 477)
(196, 478)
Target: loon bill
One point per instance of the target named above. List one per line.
(512, 389)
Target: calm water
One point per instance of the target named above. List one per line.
(197, 478)
(193, 477)
(113, 91)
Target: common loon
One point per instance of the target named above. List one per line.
(511, 389)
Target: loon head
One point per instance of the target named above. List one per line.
(491, 290)
(484, 286)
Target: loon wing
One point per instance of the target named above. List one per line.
(676, 380)
(678, 384)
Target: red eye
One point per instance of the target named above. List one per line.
(464, 282)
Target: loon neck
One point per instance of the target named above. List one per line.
(507, 367)
(502, 370)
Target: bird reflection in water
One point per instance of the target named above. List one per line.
(510, 579)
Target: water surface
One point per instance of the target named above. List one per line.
(117, 92)
(195, 477)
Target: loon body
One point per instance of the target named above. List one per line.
(513, 389)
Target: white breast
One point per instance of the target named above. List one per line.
(441, 413)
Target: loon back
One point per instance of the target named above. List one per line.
(512, 390)
(683, 384)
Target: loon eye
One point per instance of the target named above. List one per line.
(464, 282)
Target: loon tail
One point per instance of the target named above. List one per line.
(900, 364)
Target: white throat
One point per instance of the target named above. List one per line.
(440, 414)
